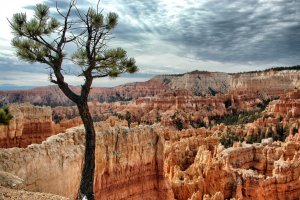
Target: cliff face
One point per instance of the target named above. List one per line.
(191, 111)
(269, 82)
(65, 124)
(153, 162)
(129, 163)
(288, 105)
(197, 83)
(158, 162)
(30, 124)
(201, 83)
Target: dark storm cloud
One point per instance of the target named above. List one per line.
(225, 31)
(259, 33)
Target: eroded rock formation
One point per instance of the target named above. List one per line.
(129, 163)
(30, 124)
(269, 82)
(198, 167)
(152, 162)
(264, 83)
(66, 124)
(157, 161)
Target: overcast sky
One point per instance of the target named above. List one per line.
(177, 36)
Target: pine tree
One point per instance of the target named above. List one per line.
(43, 39)
(127, 117)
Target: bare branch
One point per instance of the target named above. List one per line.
(57, 9)
(100, 76)
(62, 40)
(44, 42)
(79, 14)
(98, 5)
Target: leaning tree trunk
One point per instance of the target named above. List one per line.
(87, 177)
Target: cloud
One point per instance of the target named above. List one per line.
(226, 31)
(35, 79)
(170, 36)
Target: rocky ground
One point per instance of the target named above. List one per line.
(11, 194)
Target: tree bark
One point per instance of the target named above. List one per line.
(87, 176)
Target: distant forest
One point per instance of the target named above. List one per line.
(296, 67)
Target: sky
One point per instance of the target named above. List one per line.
(175, 36)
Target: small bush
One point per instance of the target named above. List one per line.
(228, 139)
(127, 117)
(211, 91)
(237, 118)
(5, 116)
(177, 121)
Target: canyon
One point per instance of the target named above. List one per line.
(196, 83)
(154, 162)
(199, 135)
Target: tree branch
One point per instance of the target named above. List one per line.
(65, 87)
(100, 76)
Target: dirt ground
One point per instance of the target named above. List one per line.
(10, 194)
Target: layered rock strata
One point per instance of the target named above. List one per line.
(265, 83)
(129, 163)
(287, 106)
(65, 124)
(193, 111)
(269, 171)
(269, 82)
(30, 124)
(152, 162)
(199, 168)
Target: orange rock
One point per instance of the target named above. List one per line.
(129, 163)
(30, 124)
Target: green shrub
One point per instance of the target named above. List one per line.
(127, 117)
(265, 102)
(5, 116)
(228, 139)
(254, 138)
(177, 121)
(211, 91)
(238, 118)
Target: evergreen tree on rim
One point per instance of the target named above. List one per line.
(43, 39)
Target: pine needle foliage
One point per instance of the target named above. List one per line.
(90, 32)
(5, 115)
